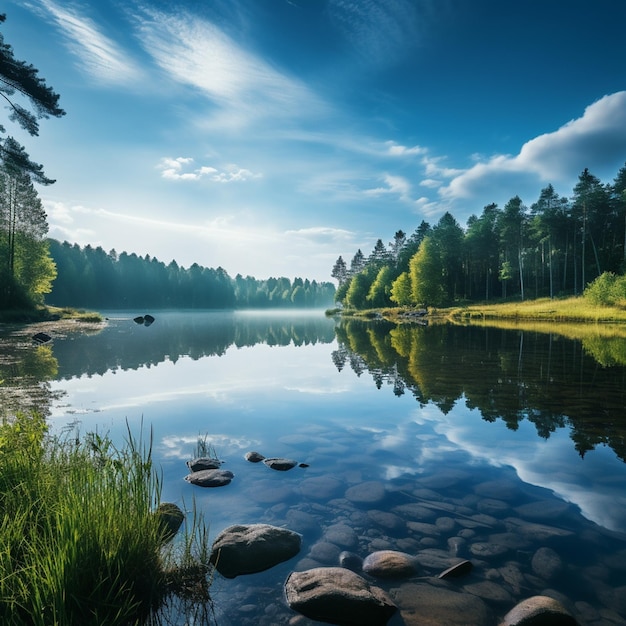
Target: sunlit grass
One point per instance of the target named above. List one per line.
(80, 542)
(575, 309)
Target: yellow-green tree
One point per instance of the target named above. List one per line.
(426, 274)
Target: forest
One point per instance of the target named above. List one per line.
(92, 278)
(555, 247)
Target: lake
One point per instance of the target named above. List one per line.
(504, 447)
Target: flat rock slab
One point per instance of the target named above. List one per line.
(282, 465)
(251, 548)
(338, 596)
(210, 478)
(537, 611)
(429, 605)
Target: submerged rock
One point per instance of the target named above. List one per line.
(251, 548)
(339, 596)
(390, 564)
(537, 611)
(210, 478)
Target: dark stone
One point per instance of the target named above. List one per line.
(254, 457)
(210, 478)
(148, 319)
(170, 518)
(282, 465)
(338, 596)
(41, 338)
(138, 320)
(251, 548)
(203, 463)
(350, 560)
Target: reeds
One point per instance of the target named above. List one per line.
(79, 540)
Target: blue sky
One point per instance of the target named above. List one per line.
(271, 136)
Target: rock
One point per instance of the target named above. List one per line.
(368, 492)
(546, 563)
(210, 478)
(423, 604)
(203, 463)
(282, 465)
(460, 569)
(390, 564)
(339, 596)
(139, 319)
(251, 548)
(254, 457)
(341, 535)
(41, 338)
(148, 319)
(170, 518)
(350, 560)
(389, 521)
(321, 487)
(538, 611)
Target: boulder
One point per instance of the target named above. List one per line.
(390, 564)
(251, 548)
(254, 457)
(203, 463)
(338, 596)
(210, 478)
(282, 465)
(538, 611)
(170, 518)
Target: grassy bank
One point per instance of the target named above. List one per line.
(47, 314)
(573, 310)
(544, 309)
(81, 541)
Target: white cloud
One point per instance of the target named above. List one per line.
(395, 149)
(174, 169)
(97, 55)
(395, 185)
(596, 140)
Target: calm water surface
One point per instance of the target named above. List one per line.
(488, 445)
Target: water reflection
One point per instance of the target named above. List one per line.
(468, 447)
(513, 376)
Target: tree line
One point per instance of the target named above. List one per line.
(557, 246)
(92, 278)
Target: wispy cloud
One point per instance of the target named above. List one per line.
(195, 52)
(394, 185)
(378, 32)
(96, 54)
(183, 168)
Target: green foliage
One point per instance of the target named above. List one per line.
(401, 290)
(90, 277)
(379, 294)
(552, 249)
(426, 273)
(608, 289)
(79, 541)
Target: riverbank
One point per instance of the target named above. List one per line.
(572, 310)
(48, 314)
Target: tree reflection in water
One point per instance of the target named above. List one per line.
(512, 375)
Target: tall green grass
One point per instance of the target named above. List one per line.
(80, 542)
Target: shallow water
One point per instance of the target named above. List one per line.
(442, 442)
